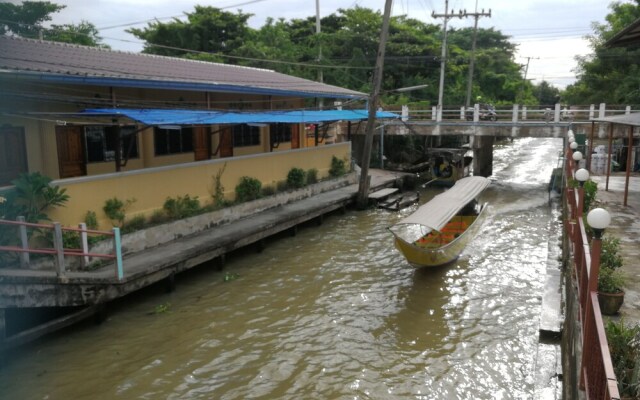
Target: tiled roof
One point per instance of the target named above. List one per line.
(73, 62)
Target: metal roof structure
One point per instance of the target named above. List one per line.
(438, 211)
(627, 119)
(68, 63)
(203, 117)
(627, 36)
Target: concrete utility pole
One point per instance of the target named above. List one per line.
(320, 76)
(363, 188)
(526, 69)
(446, 17)
(476, 15)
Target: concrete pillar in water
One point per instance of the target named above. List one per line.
(483, 156)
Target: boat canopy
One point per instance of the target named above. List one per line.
(210, 117)
(436, 213)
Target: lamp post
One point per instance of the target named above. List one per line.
(573, 145)
(577, 157)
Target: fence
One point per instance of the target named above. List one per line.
(597, 377)
(58, 250)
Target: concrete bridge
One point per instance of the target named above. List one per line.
(511, 122)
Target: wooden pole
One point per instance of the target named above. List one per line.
(629, 166)
(609, 151)
(363, 189)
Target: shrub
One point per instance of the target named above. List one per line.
(610, 281)
(590, 191)
(610, 256)
(134, 224)
(296, 178)
(248, 189)
(268, 190)
(281, 186)
(32, 197)
(218, 188)
(91, 220)
(624, 348)
(158, 217)
(337, 167)
(312, 176)
(181, 207)
(114, 209)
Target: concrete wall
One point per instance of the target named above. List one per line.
(150, 187)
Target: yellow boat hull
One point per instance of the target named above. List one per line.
(426, 253)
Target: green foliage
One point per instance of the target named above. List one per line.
(91, 220)
(281, 186)
(609, 74)
(26, 19)
(610, 281)
(181, 207)
(590, 191)
(268, 190)
(296, 178)
(158, 217)
(610, 255)
(133, 224)
(337, 167)
(218, 188)
(312, 176)
(115, 210)
(349, 39)
(624, 347)
(248, 189)
(71, 240)
(32, 197)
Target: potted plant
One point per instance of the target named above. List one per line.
(624, 349)
(610, 279)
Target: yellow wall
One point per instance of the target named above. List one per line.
(150, 187)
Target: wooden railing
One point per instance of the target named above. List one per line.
(597, 377)
(58, 251)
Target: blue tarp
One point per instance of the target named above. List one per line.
(193, 117)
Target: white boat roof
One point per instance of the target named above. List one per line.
(436, 213)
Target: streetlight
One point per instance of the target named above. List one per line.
(598, 219)
(573, 145)
(577, 157)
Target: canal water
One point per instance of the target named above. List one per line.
(332, 313)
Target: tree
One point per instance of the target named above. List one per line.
(207, 29)
(610, 75)
(546, 94)
(25, 20)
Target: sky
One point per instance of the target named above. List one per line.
(549, 34)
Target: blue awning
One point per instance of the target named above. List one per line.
(197, 117)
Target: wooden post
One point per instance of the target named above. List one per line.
(59, 247)
(609, 152)
(596, 247)
(629, 166)
(24, 242)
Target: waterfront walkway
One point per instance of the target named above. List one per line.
(625, 225)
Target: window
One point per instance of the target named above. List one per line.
(246, 135)
(172, 141)
(100, 142)
(280, 133)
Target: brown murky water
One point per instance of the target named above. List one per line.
(333, 313)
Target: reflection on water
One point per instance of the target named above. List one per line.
(333, 313)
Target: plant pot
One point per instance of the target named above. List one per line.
(610, 303)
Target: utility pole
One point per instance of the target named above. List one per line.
(476, 16)
(320, 76)
(526, 70)
(446, 17)
(363, 188)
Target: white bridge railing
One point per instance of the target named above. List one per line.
(518, 113)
